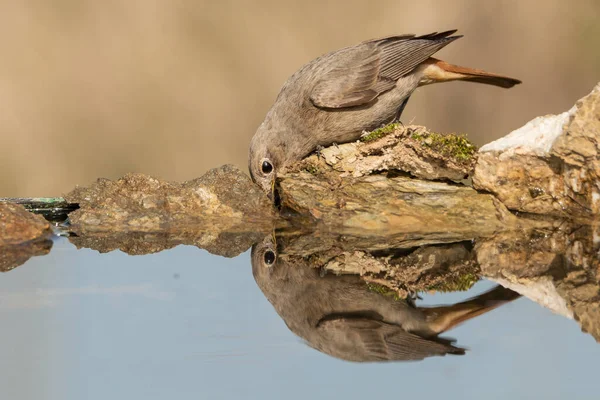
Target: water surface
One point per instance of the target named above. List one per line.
(185, 324)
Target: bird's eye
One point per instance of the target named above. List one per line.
(269, 257)
(266, 167)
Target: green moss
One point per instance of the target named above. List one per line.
(383, 290)
(459, 284)
(311, 169)
(454, 146)
(380, 132)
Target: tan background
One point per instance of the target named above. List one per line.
(172, 88)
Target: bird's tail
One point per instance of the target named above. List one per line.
(440, 71)
(447, 317)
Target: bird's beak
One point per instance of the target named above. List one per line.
(271, 194)
(274, 239)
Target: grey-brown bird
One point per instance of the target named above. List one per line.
(341, 317)
(338, 96)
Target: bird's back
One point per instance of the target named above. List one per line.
(339, 95)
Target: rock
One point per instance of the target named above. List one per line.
(549, 166)
(223, 197)
(18, 226)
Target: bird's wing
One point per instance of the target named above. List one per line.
(365, 71)
(353, 81)
(363, 339)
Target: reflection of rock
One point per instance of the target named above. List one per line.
(141, 203)
(17, 225)
(559, 269)
(229, 243)
(549, 166)
(344, 317)
(16, 255)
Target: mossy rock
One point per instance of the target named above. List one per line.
(458, 283)
(384, 291)
(381, 132)
(451, 145)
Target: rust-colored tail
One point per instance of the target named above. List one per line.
(447, 317)
(440, 71)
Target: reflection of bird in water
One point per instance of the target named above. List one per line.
(340, 316)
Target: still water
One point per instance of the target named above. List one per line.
(186, 324)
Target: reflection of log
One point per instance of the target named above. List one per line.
(442, 268)
(556, 266)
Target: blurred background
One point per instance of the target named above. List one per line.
(172, 88)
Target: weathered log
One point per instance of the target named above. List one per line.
(413, 208)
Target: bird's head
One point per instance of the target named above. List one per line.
(264, 160)
(264, 259)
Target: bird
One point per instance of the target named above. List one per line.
(336, 97)
(339, 316)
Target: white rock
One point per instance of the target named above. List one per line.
(542, 291)
(535, 137)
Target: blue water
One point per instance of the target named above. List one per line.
(185, 324)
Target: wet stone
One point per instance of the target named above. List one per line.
(223, 197)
